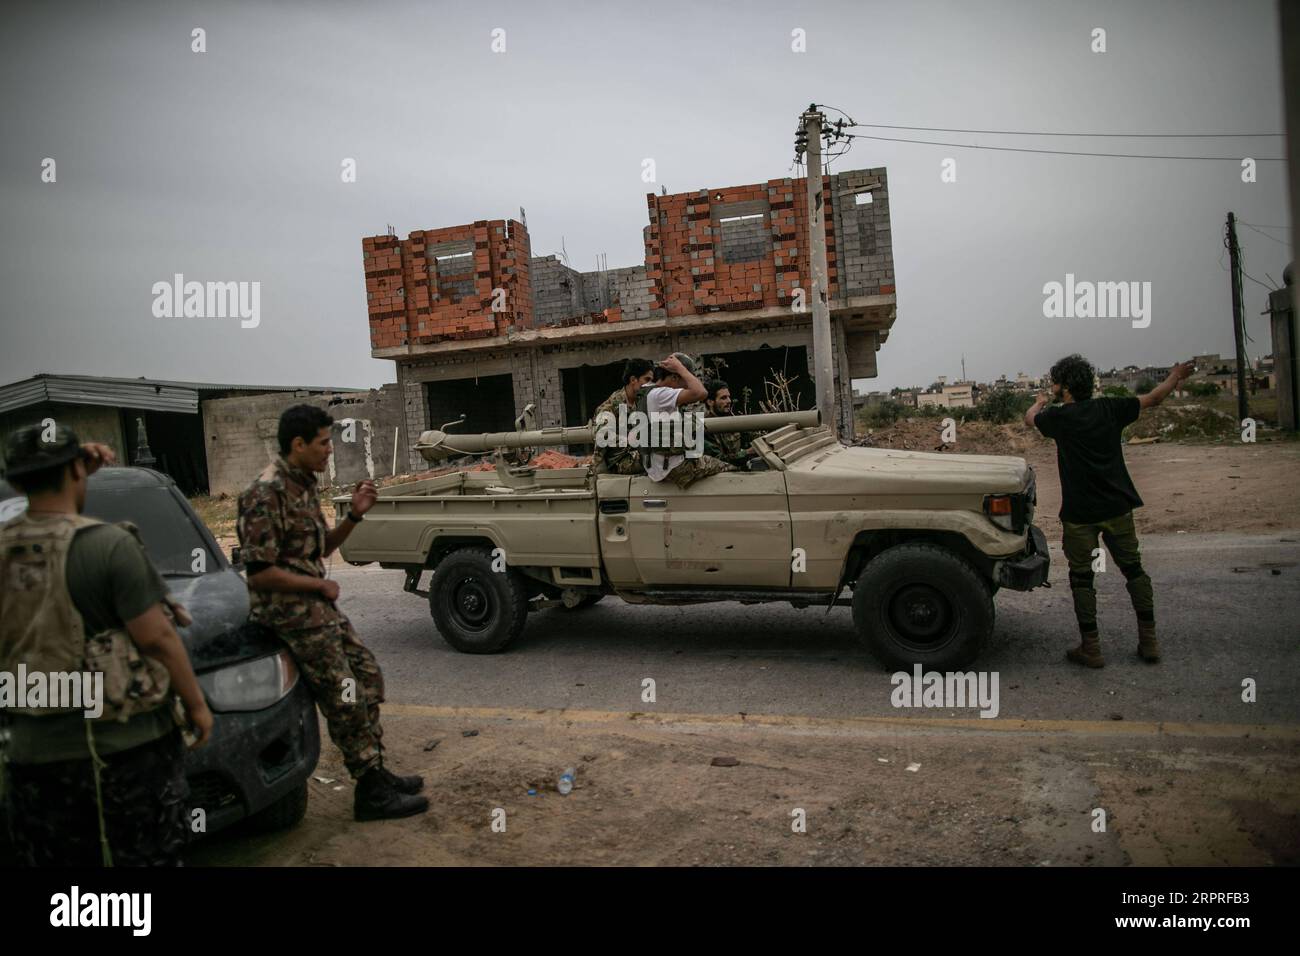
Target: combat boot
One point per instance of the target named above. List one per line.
(377, 799)
(409, 784)
(1148, 646)
(1088, 653)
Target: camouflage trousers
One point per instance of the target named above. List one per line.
(627, 463)
(54, 819)
(693, 469)
(1121, 540)
(346, 682)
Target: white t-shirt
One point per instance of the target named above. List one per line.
(662, 400)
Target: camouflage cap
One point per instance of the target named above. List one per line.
(687, 361)
(32, 448)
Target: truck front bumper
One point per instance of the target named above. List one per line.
(1027, 570)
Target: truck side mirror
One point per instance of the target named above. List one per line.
(236, 560)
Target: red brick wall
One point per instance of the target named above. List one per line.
(684, 223)
(406, 305)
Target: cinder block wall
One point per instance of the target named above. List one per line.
(240, 434)
(863, 239)
(745, 247)
(410, 299)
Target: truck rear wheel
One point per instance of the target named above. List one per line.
(477, 610)
(922, 604)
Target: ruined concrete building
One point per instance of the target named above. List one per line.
(479, 326)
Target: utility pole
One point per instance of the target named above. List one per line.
(1238, 336)
(823, 366)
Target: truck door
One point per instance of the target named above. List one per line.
(727, 530)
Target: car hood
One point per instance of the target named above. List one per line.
(221, 632)
(887, 471)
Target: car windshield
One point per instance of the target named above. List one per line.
(170, 537)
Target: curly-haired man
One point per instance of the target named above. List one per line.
(1097, 494)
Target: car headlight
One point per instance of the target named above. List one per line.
(251, 685)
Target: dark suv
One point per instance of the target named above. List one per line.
(265, 739)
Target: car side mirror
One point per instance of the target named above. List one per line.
(236, 560)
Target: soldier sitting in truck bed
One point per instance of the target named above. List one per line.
(731, 447)
(619, 459)
(676, 388)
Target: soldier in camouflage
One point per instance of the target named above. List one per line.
(83, 791)
(619, 459)
(676, 388)
(731, 447)
(283, 543)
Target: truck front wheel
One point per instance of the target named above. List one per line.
(477, 610)
(922, 604)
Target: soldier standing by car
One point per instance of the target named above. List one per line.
(78, 595)
(283, 543)
(619, 459)
(1097, 494)
(731, 447)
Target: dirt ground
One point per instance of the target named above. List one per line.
(1186, 486)
(872, 792)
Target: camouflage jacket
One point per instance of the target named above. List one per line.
(612, 454)
(280, 523)
(730, 447)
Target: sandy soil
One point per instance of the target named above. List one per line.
(873, 792)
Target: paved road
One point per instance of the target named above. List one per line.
(1218, 626)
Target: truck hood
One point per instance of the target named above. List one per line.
(887, 471)
(221, 633)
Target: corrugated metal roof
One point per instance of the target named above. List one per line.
(157, 395)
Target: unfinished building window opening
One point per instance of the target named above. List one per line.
(746, 238)
(453, 269)
(488, 403)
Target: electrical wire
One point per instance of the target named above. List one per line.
(1059, 152)
(1264, 234)
(1013, 132)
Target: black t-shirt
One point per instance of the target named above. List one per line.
(1095, 485)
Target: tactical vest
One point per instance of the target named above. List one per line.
(642, 406)
(41, 628)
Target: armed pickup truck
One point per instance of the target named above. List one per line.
(916, 544)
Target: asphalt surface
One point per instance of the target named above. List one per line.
(1223, 612)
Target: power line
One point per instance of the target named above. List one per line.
(1258, 226)
(1060, 152)
(1013, 132)
(1264, 234)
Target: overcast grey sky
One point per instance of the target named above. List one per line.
(226, 165)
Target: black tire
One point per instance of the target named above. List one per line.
(588, 600)
(284, 813)
(922, 604)
(477, 610)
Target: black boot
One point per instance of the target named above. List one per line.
(377, 799)
(410, 784)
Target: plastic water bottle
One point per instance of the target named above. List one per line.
(566, 782)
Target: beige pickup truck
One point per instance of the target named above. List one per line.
(916, 543)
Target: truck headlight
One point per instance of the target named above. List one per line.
(252, 685)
